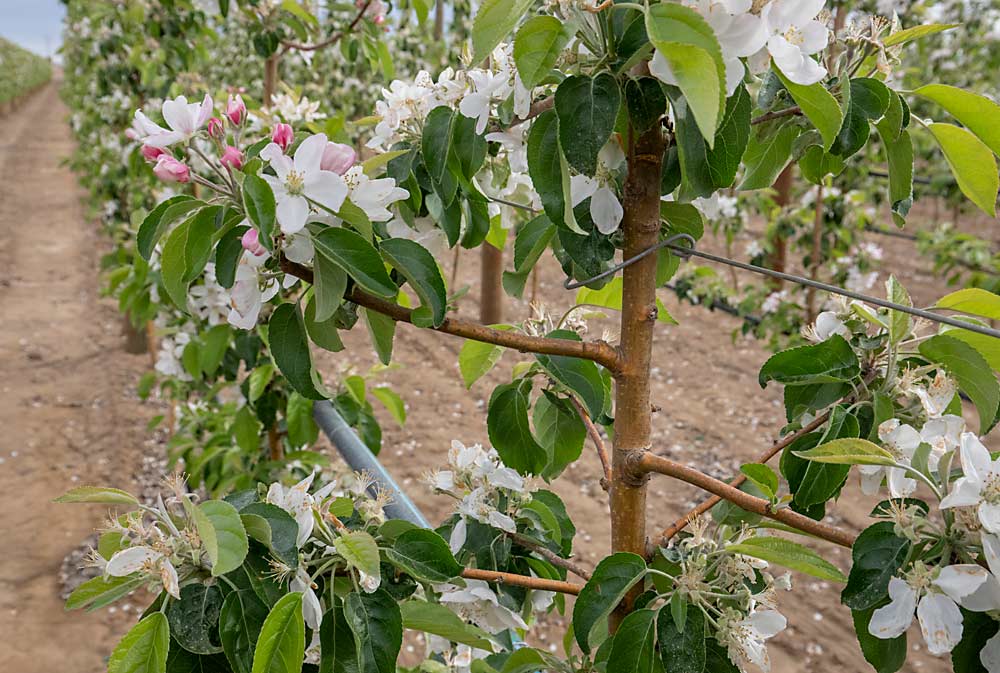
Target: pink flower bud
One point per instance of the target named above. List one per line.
(131, 134)
(380, 19)
(170, 169)
(251, 242)
(236, 110)
(216, 129)
(151, 153)
(282, 135)
(338, 158)
(232, 158)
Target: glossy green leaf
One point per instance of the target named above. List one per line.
(537, 46)
(240, 622)
(633, 648)
(509, 428)
(977, 113)
(885, 655)
(560, 431)
(476, 358)
(789, 554)
(438, 620)
(972, 163)
(260, 208)
(971, 371)
(425, 555)
(830, 361)
(290, 350)
(421, 271)
(766, 157)
(877, 556)
(916, 32)
(587, 108)
(612, 579)
(155, 224)
(194, 619)
(377, 625)
(282, 640)
(359, 258)
(818, 105)
(974, 301)
(98, 495)
(848, 451)
(144, 648)
(494, 21)
(681, 651)
(224, 538)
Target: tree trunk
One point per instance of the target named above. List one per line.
(779, 255)
(270, 79)
(641, 226)
(491, 285)
(439, 20)
(135, 339)
(817, 252)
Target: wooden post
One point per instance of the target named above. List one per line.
(779, 255)
(641, 225)
(270, 78)
(491, 285)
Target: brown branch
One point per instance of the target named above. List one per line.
(787, 112)
(550, 555)
(522, 581)
(333, 39)
(660, 465)
(764, 457)
(600, 352)
(595, 436)
(537, 108)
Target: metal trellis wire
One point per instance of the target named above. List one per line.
(686, 252)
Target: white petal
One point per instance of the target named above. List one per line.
(964, 492)
(871, 478)
(744, 36)
(785, 13)
(900, 486)
(991, 550)
(312, 611)
(581, 188)
(292, 213)
(177, 115)
(976, 458)
(168, 576)
(661, 70)
(768, 622)
(326, 188)
(130, 560)
(893, 619)
(458, 534)
(990, 654)
(940, 622)
(606, 211)
(735, 70)
(961, 579)
(815, 37)
(309, 154)
(984, 599)
(989, 516)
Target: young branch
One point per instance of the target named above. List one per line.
(597, 351)
(660, 465)
(595, 436)
(522, 581)
(333, 39)
(550, 555)
(768, 454)
(787, 112)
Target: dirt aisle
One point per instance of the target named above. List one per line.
(68, 412)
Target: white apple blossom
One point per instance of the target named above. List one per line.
(477, 602)
(297, 501)
(793, 35)
(902, 441)
(373, 196)
(980, 484)
(301, 180)
(745, 638)
(145, 560)
(250, 291)
(936, 601)
(936, 397)
(605, 210)
(312, 609)
(423, 231)
(184, 119)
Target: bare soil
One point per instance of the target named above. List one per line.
(71, 417)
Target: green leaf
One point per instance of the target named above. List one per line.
(877, 554)
(988, 347)
(612, 579)
(692, 51)
(537, 46)
(493, 23)
(560, 431)
(302, 429)
(697, 180)
(816, 164)
(290, 350)
(98, 495)
(731, 140)
(144, 648)
(377, 625)
(436, 141)
(766, 157)
(916, 32)
(476, 358)
(633, 648)
(899, 154)
(974, 301)
(259, 206)
(789, 554)
(545, 165)
(581, 377)
(222, 534)
(282, 641)
(273, 527)
(438, 620)
(645, 101)
(422, 273)
(532, 239)
(866, 100)
(977, 113)
(818, 105)
(509, 428)
(899, 323)
(468, 151)
(830, 361)
(228, 254)
(194, 619)
(681, 651)
(971, 371)
(97, 592)
(360, 551)
(185, 253)
(240, 622)
(425, 555)
(885, 655)
(381, 329)
(359, 258)
(763, 476)
(972, 163)
(155, 224)
(338, 651)
(391, 400)
(323, 334)
(587, 108)
(848, 451)
(330, 281)
(977, 629)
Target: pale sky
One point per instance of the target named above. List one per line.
(33, 24)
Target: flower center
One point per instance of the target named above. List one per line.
(295, 183)
(795, 36)
(991, 489)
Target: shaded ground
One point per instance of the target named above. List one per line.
(67, 407)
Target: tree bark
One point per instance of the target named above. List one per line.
(491, 285)
(270, 79)
(641, 225)
(779, 255)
